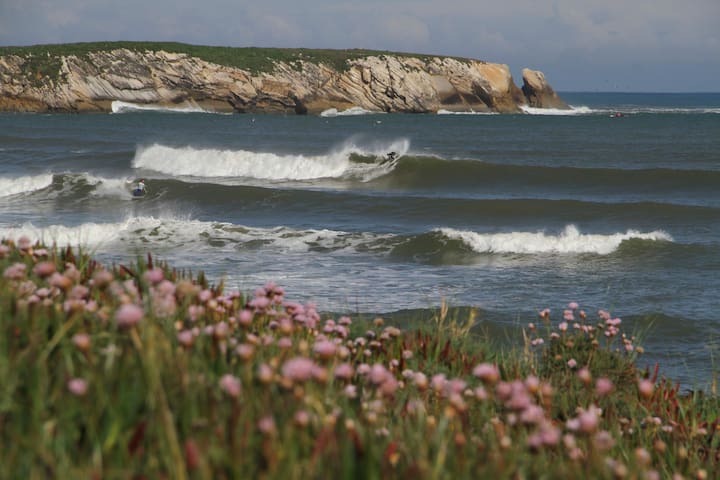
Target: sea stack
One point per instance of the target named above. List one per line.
(538, 93)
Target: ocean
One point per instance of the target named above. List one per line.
(506, 214)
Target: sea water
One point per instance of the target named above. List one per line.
(507, 214)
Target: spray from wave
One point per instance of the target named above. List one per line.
(570, 241)
(27, 184)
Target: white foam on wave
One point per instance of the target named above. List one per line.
(350, 112)
(216, 163)
(187, 234)
(580, 110)
(19, 185)
(109, 187)
(470, 112)
(90, 234)
(634, 109)
(570, 241)
(119, 106)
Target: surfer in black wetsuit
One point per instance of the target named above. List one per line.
(389, 158)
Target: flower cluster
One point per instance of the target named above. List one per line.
(226, 382)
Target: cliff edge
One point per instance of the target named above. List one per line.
(298, 83)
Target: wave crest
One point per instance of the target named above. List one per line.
(570, 241)
(216, 163)
(26, 184)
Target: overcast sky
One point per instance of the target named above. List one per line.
(581, 45)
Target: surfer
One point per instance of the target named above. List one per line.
(139, 189)
(391, 156)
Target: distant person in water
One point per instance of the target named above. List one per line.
(139, 188)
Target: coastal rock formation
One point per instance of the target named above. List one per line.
(378, 82)
(537, 91)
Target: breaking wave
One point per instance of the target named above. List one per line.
(19, 185)
(222, 236)
(193, 234)
(125, 107)
(223, 163)
(570, 241)
(469, 112)
(581, 110)
(350, 112)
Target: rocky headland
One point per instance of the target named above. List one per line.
(41, 81)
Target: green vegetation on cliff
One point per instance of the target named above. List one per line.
(45, 58)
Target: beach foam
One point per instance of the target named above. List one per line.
(570, 241)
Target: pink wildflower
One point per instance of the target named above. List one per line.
(154, 276)
(588, 420)
(646, 388)
(245, 318)
(245, 351)
(185, 338)
(230, 384)
(584, 375)
(378, 374)
(128, 315)
(24, 243)
(265, 373)
(77, 386)
(15, 271)
(284, 343)
(81, 341)
(603, 386)
(44, 269)
(299, 369)
(572, 363)
(324, 349)
(487, 372)
(344, 371)
(205, 295)
(301, 418)
(267, 425)
(421, 380)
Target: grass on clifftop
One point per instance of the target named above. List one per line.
(253, 59)
(141, 371)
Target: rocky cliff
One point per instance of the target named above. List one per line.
(376, 82)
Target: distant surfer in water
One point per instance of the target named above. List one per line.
(139, 189)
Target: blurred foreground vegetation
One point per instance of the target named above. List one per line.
(142, 371)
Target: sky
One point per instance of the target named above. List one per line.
(580, 45)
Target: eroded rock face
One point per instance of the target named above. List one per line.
(384, 83)
(538, 93)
